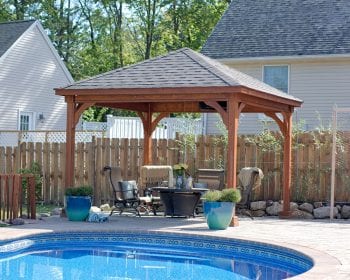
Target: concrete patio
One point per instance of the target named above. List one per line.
(326, 242)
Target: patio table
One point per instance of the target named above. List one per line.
(179, 202)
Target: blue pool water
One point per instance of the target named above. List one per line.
(137, 255)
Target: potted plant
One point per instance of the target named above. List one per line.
(180, 172)
(219, 207)
(78, 202)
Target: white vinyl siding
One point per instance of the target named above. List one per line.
(29, 72)
(320, 84)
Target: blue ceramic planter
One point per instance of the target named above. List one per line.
(78, 207)
(218, 214)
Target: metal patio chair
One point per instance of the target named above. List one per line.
(126, 194)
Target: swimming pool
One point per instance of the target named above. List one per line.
(145, 255)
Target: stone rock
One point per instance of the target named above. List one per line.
(105, 207)
(299, 214)
(95, 209)
(24, 216)
(56, 211)
(4, 224)
(18, 221)
(274, 209)
(258, 205)
(293, 206)
(308, 207)
(258, 213)
(269, 203)
(318, 204)
(44, 215)
(339, 207)
(345, 212)
(338, 216)
(323, 212)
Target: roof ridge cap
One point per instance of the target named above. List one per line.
(208, 60)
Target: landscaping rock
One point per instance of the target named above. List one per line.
(308, 207)
(318, 204)
(323, 212)
(44, 215)
(18, 221)
(274, 209)
(293, 206)
(258, 205)
(3, 224)
(105, 207)
(95, 209)
(258, 213)
(56, 211)
(345, 212)
(299, 214)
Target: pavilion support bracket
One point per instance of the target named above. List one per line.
(149, 125)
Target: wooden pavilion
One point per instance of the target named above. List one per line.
(182, 81)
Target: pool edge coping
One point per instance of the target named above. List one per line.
(325, 265)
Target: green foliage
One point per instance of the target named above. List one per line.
(34, 169)
(79, 191)
(226, 195)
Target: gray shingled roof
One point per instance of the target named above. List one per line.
(258, 28)
(10, 32)
(181, 68)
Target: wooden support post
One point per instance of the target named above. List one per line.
(232, 127)
(70, 142)
(287, 157)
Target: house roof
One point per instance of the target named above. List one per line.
(10, 32)
(251, 28)
(183, 68)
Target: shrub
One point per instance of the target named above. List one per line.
(79, 191)
(226, 195)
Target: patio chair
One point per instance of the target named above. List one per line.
(126, 195)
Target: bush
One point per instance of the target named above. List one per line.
(79, 191)
(226, 195)
(34, 169)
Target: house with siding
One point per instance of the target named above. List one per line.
(30, 69)
(301, 47)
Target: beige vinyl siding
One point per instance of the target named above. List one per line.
(29, 72)
(319, 83)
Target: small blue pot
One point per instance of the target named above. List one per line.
(78, 207)
(218, 214)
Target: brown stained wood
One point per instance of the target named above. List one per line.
(106, 156)
(90, 162)
(62, 174)
(53, 188)
(38, 153)
(134, 170)
(55, 173)
(8, 160)
(162, 151)
(79, 165)
(46, 173)
(23, 155)
(98, 174)
(114, 153)
(154, 150)
(201, 152)
(2, 160)
(171, 152)
(30, 154)
(124, 153)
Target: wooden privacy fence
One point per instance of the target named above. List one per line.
(311, 166)
(13, 195)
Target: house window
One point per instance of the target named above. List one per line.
(277, 76)
(26, 121)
